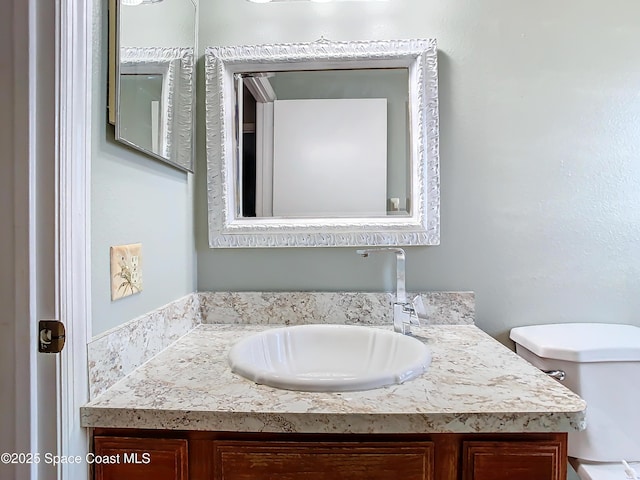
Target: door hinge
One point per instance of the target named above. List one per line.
(51, 338)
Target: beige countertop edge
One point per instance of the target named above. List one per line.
(267, 422)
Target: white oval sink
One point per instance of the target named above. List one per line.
(329, 358)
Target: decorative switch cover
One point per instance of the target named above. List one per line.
(126, 270)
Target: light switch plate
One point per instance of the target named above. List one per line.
(126, 270)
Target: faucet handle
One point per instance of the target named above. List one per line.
(414, 311)
(419, 308)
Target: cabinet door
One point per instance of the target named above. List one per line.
(125, 458)
(514, 460)
(322, 461)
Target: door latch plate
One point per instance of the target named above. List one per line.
(51, 337)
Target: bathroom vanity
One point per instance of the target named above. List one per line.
(479, 412)
(218, 456)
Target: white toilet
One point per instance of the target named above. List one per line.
(602, 365)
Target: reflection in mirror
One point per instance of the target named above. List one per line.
(307, 137)
(137, 92)
(323, 144)
(155, 86)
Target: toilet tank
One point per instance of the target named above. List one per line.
(602, 365)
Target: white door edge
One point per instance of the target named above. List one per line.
(33, 125)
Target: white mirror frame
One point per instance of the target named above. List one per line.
(176, 66)
(421, 227)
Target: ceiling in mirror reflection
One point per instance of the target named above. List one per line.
(139, 2)
(170, 23)
(313, 1)
(324, 143)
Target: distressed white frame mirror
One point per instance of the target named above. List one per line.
(224, 69)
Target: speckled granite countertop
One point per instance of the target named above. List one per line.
(474, 384)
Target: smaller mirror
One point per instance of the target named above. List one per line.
(155, 78)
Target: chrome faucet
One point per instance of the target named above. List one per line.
(404, 311)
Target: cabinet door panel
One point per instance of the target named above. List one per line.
(323, 461)
(125, 458)
(513, 460)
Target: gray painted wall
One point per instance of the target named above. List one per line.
(540, 148)
(135, 198)
(7, 243)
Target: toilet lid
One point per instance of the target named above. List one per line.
(581, 342)
(603, 471)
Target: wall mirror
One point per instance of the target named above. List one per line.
(323, 144)
(155, 78)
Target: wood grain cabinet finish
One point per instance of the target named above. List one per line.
(323, 461)
(129, 458)
(514, 460)
(200, 455)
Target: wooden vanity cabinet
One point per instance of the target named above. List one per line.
(123, 458)
(322, 460)
(501, 460)
(258, 456)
